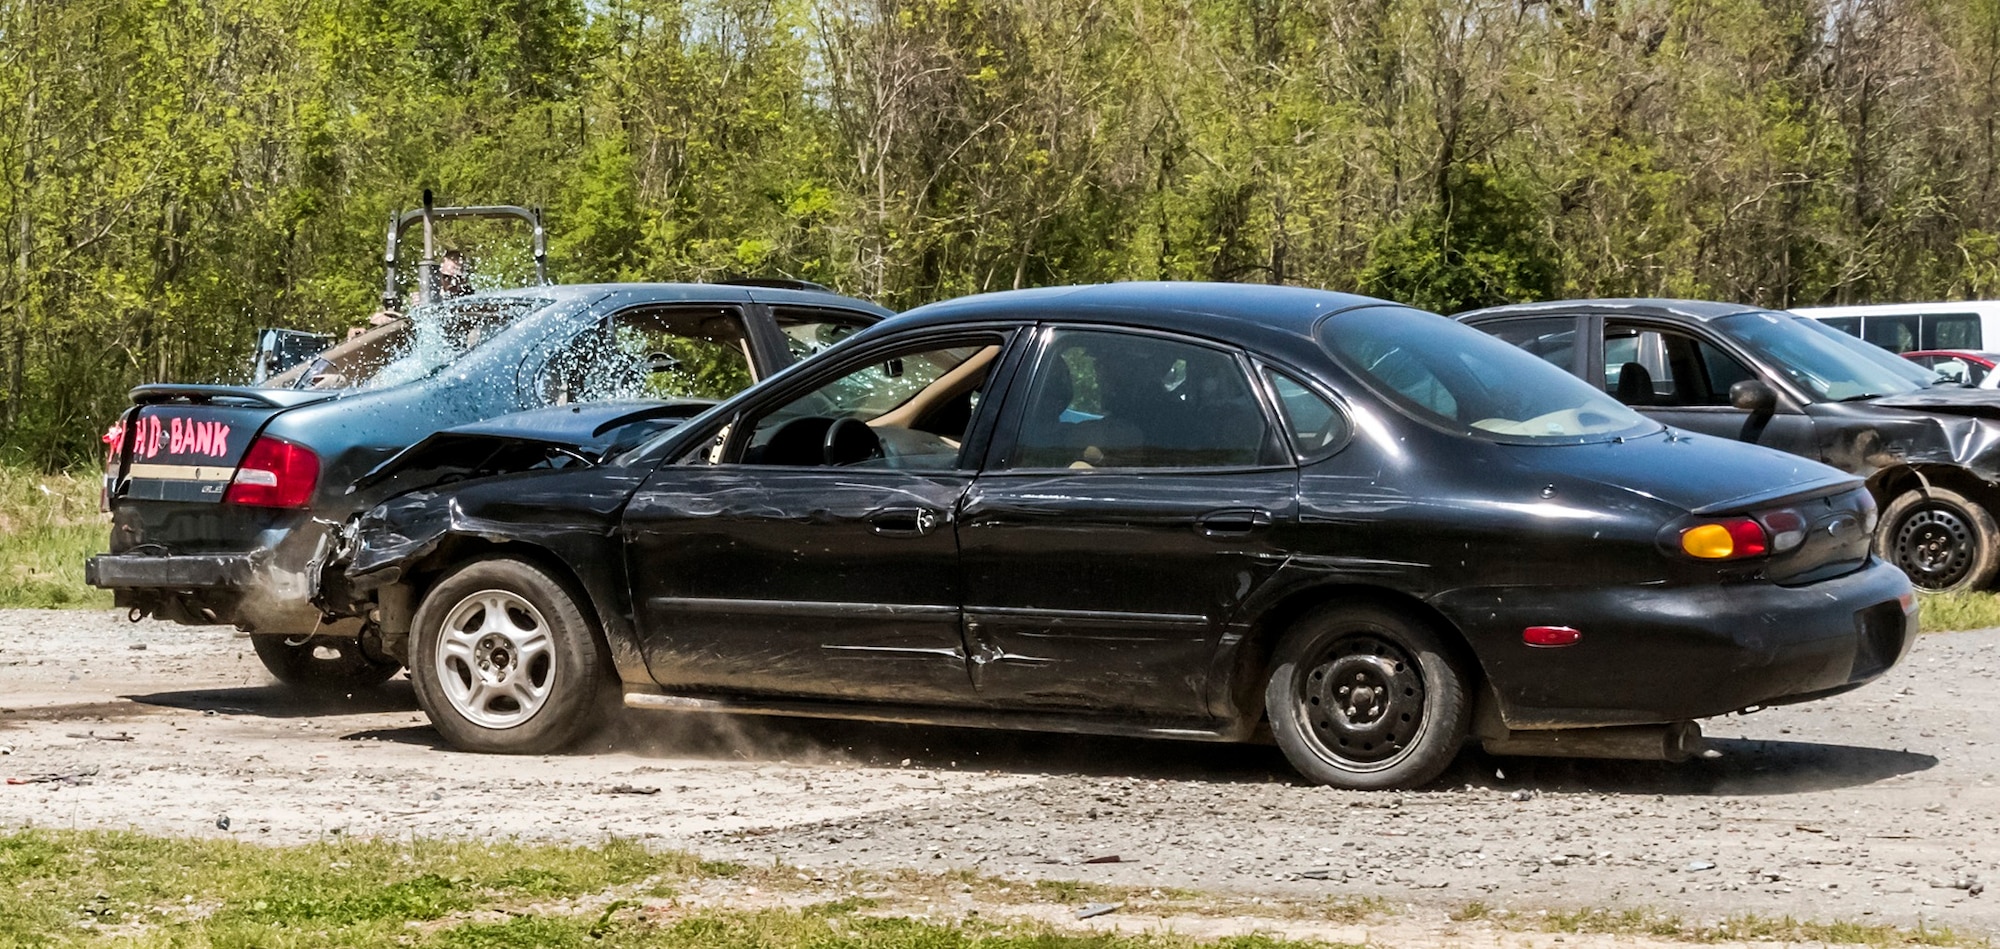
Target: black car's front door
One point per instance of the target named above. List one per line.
(1108, 546)
(1683, 379)
(813, 553)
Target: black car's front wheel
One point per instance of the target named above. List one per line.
(1362, 696)
(1942, 539)
(505, 660)
(322, 663)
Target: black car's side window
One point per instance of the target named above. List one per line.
(1317, 426)
(1651, 367)
(904, 409)
(1118, 400)
(652, 353)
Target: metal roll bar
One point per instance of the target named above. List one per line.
(427, 282)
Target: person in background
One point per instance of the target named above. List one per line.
(454, 280)
(454, 275)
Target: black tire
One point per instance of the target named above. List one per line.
(330, 665)
(1418, 710)
(484, 682)
(1942, 539)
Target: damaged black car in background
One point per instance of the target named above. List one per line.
(1928, 447)
(220, 496)
(1179, 510)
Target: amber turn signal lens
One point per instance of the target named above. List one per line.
(1709, 542)
(1721, 540)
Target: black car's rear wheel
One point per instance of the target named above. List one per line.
(505, 660)
(322, 663)
(1362, 696)
(1942, 539)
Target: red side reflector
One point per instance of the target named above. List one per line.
(1550, 636)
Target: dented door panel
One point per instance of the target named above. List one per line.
(814, 581)
(1113, 590)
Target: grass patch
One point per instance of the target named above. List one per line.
(104, 888)
(1945, 612)
(97, 888)
(1074, 891)
(1787, 929)
(73, 886)
(48, 525)
(1745, 928)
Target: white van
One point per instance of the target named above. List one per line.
(1917, 327)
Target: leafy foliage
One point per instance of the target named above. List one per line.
(178, 174)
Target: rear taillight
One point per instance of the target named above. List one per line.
(274, 473)
(1729, 538)
(113, 438)
(1786, 527)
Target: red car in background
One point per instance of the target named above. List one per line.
(1968, 367)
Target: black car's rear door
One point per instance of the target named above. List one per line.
(1127, 512)
(813, 552)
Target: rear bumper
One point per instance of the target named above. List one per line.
(248, 591)
(1653, 654)
(181, 573)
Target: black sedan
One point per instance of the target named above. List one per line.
(1179, 510)
(220, 495)
(1928, 447)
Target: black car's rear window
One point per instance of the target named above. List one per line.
(1465, 381)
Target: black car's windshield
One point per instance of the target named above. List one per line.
(1466, 381)
(1825, 361)
(411, 348)
(1923, 376)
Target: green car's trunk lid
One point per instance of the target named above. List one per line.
(182, 443)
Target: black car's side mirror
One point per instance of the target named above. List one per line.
(1753, 396)
(1758, 399)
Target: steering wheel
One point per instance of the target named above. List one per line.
(851, 442)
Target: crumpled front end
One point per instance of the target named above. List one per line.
(384, 540)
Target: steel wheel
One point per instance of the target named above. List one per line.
(1366, 696)
(1362, 701)
(1942, 539)
(493, 659)
(1934, 546)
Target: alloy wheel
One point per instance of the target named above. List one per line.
(494, 659)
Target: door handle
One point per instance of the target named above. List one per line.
(903, 522)
(1235, 523)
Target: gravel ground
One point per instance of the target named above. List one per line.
(1877, 806)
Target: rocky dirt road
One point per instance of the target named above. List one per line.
(1878, 806)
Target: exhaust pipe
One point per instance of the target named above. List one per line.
(1675, 742)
